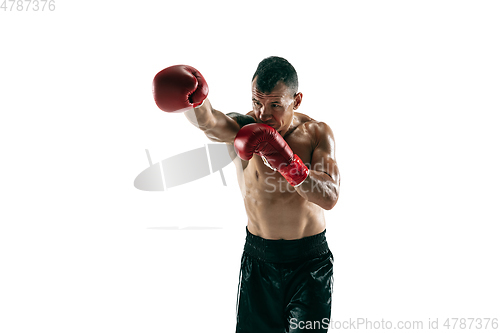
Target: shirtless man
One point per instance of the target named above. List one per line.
(288, 177)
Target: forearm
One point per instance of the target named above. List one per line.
(215, 124)
(202, 116)
(320, 189)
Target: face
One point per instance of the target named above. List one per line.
(275, 108)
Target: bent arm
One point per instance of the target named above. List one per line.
(217, 126)
(322, 184)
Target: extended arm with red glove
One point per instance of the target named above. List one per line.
(265, 141)
(182, 88)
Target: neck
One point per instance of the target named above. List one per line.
(289, 129)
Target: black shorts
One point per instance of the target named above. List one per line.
(285, 285)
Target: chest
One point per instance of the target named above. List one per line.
(302, 144)
(258, 175)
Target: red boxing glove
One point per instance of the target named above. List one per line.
(179, 88)
(265, 141)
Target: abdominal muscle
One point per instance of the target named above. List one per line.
(275, 210)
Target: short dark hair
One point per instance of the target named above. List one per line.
(272, 70)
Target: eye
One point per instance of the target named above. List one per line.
(276, 105)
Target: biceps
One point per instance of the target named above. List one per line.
(323, 161)
(224, 129)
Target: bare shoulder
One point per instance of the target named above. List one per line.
(252, 114)
(318, 130)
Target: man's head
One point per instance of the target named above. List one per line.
(273, 70)
(274, 93)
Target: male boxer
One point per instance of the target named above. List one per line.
(289, 177)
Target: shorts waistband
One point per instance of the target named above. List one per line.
(282, 251)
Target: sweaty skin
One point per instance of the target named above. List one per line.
(275, 209)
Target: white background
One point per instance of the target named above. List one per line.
(410, 89)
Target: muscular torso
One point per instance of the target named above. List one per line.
(275, 210)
